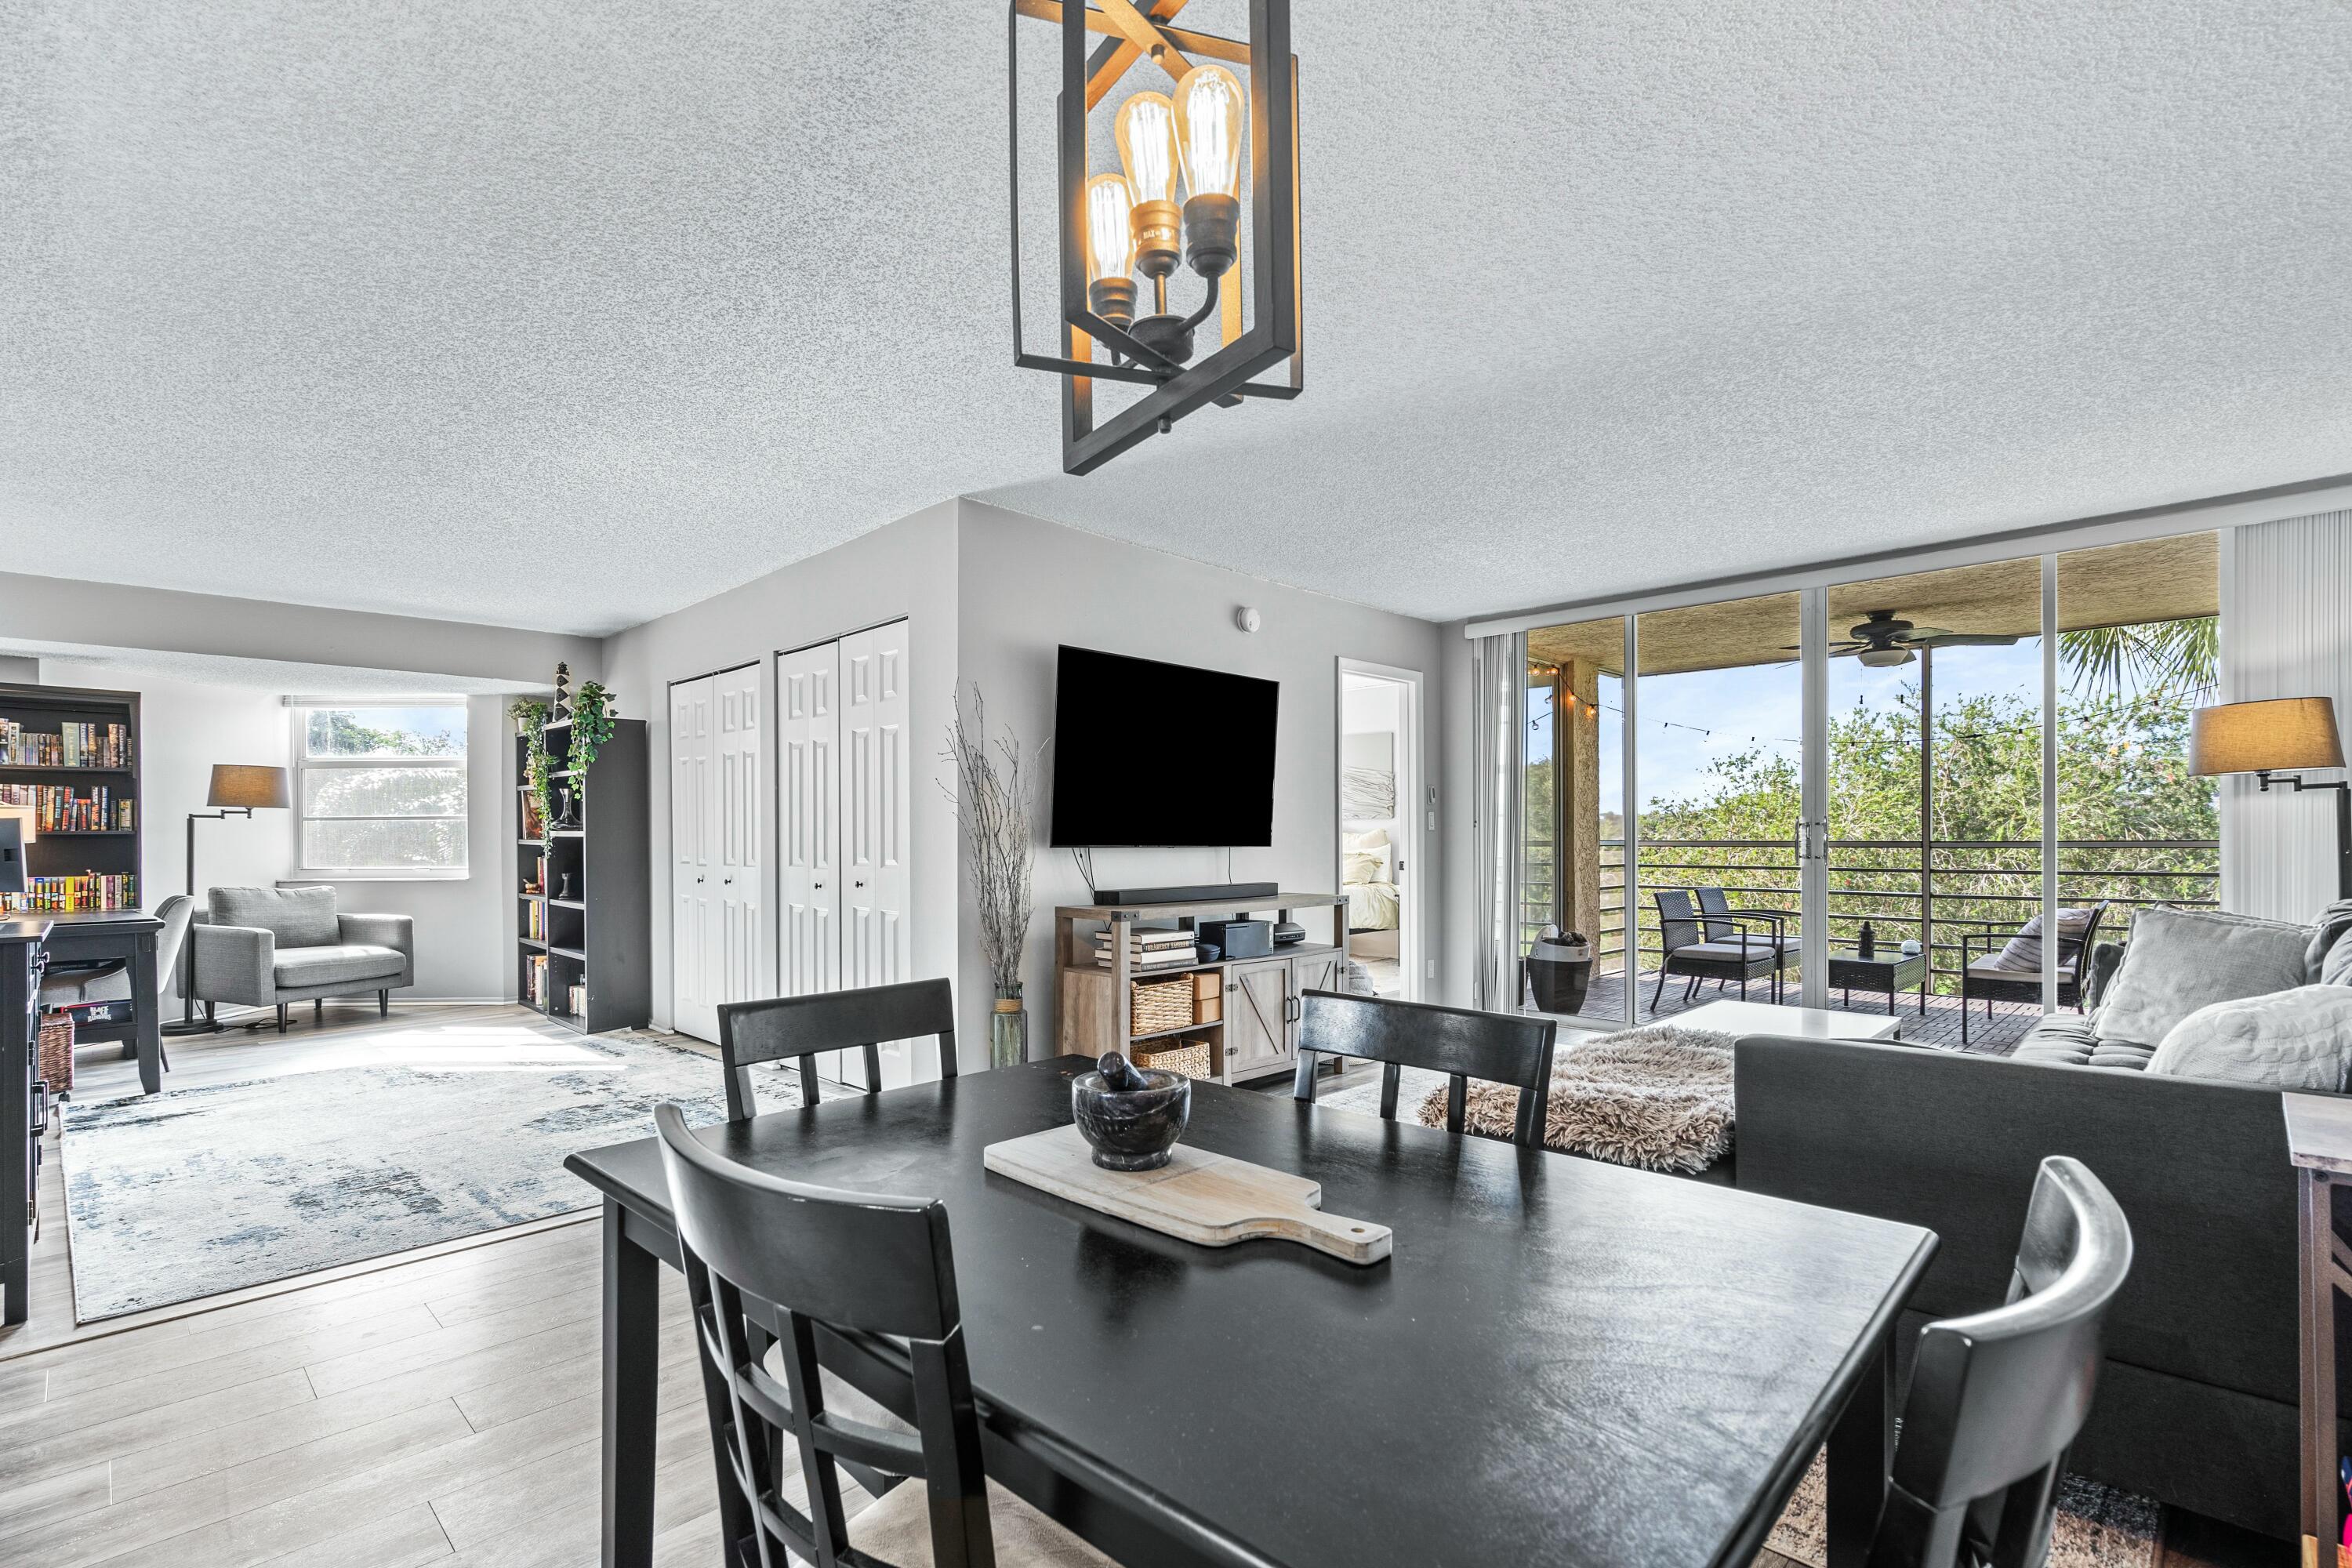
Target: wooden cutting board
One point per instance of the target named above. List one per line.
(1197, 1196)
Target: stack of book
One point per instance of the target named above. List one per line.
(67, 894)
(535, 983)
(1151, 950)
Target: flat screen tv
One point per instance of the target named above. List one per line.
(1160, 755)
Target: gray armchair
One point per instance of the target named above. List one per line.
(261, 947)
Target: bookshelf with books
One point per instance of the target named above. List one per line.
(584, 940)
(71, 757)
(1176, 1005)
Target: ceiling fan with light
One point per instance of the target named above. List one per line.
(1885, 640)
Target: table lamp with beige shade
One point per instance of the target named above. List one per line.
(238, 789)
(2275, 736)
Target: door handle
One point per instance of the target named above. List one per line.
(699, 878)
(726, 882)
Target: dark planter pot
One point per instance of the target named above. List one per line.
(1559, 977)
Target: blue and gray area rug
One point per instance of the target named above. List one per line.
(449, 1134)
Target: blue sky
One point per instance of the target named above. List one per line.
(1689, 721)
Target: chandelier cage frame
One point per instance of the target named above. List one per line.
(1140, 36)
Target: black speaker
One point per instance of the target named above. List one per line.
(1238, 939)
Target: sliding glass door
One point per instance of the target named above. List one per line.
(1870, 794)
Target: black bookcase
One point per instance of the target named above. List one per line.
(93, 850)
(602, 935)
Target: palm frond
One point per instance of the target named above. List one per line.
(2179, 659)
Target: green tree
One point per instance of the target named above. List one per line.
(2122, 777)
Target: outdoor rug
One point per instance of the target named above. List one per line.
(440, 1133)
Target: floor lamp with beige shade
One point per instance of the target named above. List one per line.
(238, 789)
(2271, 737)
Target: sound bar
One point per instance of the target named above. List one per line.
(1205, 893)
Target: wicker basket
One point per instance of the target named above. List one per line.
(56, 1052)
(1162, 1004)
(1189, 1058)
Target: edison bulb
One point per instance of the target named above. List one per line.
(1110, 228)
(1209, 130)
(1146, 130)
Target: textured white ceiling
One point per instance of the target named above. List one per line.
(564, 315)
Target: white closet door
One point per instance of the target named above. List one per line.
(808, 734)
(736, 807)
(693, 1007)
(876, 776)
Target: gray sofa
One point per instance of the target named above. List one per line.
(263, 947)
(2196, 1403)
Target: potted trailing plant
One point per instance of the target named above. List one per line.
(995, 809)
(531, 718)
(591, 726)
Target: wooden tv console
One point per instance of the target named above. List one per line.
(1255, 1031)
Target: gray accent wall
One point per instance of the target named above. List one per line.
(1028, 585)
(906, 568)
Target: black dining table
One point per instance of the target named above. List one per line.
(1564, 1362)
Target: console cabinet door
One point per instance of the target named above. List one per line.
(1317, 972)
(1257, 1017)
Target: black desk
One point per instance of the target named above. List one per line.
(1564, 1363)
(81, 935)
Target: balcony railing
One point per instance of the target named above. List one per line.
(1904, 893)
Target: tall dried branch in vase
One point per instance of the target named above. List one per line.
(996, 804)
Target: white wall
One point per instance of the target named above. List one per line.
(1456, 943)
(466, 928)
(908, 569)
(2286, 631)
(1029, 586)
(70, 611)
(183, 728)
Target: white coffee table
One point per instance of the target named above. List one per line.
(1770, 1018)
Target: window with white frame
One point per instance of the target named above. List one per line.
(381, 787)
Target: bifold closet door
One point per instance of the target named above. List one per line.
(693, 1004)
(876, 778)
(737, 965)
(808, 824)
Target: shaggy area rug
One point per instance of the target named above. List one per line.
(444, 1134)
(2097, 1526)
(1657, 1096)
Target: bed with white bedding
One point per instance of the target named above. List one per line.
(1368, 878)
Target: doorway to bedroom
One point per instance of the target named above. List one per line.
(1379, 793)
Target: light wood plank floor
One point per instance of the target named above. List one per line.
(441, 1407)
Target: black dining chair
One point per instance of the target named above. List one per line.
(1997, 1397)
(796, 1029)
(769, 1262)
(1497, 1048)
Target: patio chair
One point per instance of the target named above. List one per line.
(1748, 950)
(1980, 976)
(1715, 905)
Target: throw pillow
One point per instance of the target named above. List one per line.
(2024, 948)
(2180, 960)
(1362, 868)
(2289, 1039)
(2330, 954)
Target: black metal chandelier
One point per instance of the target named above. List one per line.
(1219, 141)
